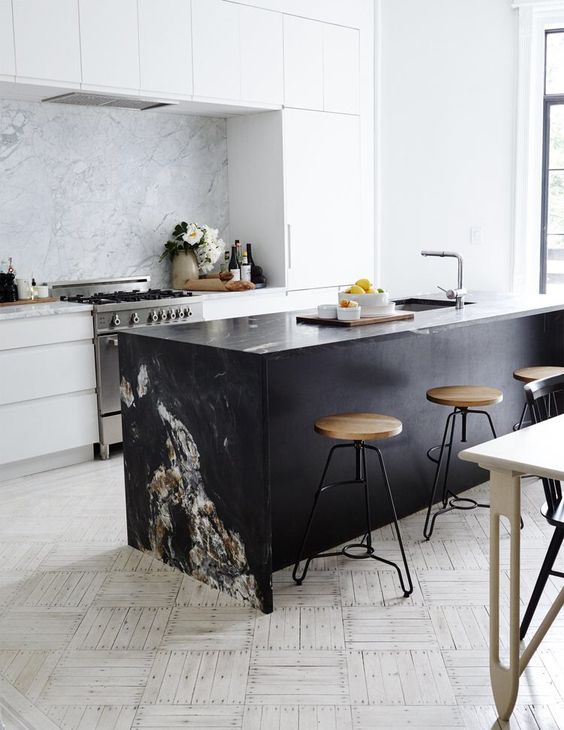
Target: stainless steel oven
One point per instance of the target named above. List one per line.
(118, 305)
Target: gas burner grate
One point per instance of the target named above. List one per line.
(124, 297)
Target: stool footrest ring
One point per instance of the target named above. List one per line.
(367, 551)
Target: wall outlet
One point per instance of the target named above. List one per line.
(476, 235)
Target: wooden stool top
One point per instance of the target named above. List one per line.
(465, 396)
(358, 426)
(528, 375)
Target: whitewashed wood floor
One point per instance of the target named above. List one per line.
(94, 634)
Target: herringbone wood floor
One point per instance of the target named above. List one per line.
(94, 634)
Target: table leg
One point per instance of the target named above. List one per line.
(505, 492)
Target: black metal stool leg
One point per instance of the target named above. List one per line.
(407, 591)
(428, 528)
(295, 577)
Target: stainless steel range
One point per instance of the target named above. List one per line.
(121, 304)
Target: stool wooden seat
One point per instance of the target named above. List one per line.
(358, 426)
(529, 375)
(465, 396)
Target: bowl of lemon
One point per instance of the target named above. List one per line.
(374, 301)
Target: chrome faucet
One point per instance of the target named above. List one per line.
(460, 292)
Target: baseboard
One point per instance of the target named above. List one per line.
(26, 467)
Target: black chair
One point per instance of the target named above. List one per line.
(545, 399)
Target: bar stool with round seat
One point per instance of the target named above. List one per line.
(529, 375)
(464, 400)
(357, 428)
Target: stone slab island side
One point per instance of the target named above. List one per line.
(221, 460)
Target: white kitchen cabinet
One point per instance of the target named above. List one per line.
(109, 43)
(47, 370)
(48, 407)
(322, 166)
(47, 41)
(341, 69)
(7, 58)
(165, 47)
(216, 49)
(262, 55)
(47, 426)
(303, 63)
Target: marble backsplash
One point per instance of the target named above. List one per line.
(90, 192)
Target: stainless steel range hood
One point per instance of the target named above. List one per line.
(82, 98)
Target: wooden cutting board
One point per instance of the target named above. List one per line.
(45, 300)
(313, 319)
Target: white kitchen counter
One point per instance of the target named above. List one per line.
(28, 311)
(269, 290)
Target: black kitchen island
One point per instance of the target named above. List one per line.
(221, 460)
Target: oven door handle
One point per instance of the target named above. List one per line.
(112, 341)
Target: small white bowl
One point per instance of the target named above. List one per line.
(327, 311)
(348, 315)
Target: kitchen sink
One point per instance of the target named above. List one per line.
(414, 304)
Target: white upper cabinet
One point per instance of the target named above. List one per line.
(7, 62)
(262, 56)
(165, 46)
(341, 69)
(109, 41)
(303, 63)
(216, 49)
(48, 44)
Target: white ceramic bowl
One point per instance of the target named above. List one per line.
(348, 315)
(327, 311)
(372, 305)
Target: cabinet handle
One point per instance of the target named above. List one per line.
(289, 246)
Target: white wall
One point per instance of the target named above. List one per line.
(448, 109)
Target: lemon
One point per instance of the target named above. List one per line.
(356, 289)
(364, 284)
(372, 290)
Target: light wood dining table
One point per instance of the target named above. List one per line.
(537, 450)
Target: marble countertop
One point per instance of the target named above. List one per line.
(25, 311)
(274, 334)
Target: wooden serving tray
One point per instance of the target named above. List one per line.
(314, 319)
(44, 300)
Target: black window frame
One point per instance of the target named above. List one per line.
(549, 101)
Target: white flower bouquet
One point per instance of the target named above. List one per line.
(202, 240)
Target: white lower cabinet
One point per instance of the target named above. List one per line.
(47, 425)
(48, 409)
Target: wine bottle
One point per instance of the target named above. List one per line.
(239, 254)
(245, 268)
(234, 265)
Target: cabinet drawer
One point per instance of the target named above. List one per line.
(40, 372)
(45, 330)
(48, 425)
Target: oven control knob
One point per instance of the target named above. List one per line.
(163, 314)
(116, 321)
(154, 316)
(188, 312)
(172, 314)
(135, 318)
(181, 313)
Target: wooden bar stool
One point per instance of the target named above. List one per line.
(464, 399)
(529, 375)
(356, 428)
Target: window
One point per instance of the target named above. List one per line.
(552, 214)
